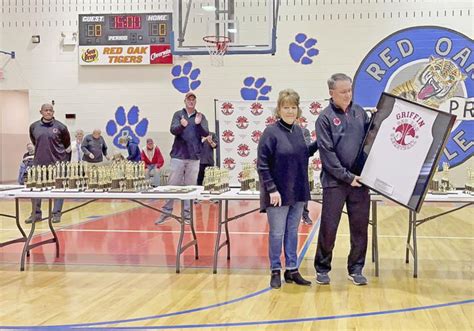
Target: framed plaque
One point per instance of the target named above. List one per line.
(402, 148)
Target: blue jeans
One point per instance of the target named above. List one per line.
(36, 207)
(182, 172)
(284, 222)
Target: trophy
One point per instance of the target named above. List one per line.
(41, 173)
(434, 184)
(208, 179)
(248, 180)
(50, 182)
(469, 186)
(92, 185)
(71, 170)
(129, 168)
(29, 177)
(445, 184)
(34, 177)
(311, 178)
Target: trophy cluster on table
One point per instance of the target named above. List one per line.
(249, 180)
(216, 180)
(440, 182)
(120, 176)
(313, 187)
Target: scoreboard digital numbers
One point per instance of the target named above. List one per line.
(125, 39)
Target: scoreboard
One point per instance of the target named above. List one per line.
(125, 39)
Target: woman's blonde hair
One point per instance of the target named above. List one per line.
(288, 96)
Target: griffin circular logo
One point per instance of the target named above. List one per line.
(270, 120)
(256, 108)
(242, 122)
(315, 108)
(243, 150)
(316, 163)
(405, 132)
(228, 136)
(229, 163)
(256, 134)
(227, 108)
(90, 55)
(303, 122)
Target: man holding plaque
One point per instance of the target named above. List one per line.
(51, 140)
(188, 127)
(341, 129)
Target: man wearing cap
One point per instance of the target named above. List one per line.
(188, 127)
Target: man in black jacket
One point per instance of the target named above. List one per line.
(341, 129)
(51, 140)
(188, 127)
(209, 144)
(94, 147)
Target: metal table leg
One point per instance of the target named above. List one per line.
(408, 244)
(222, 222)
(191, 224)
(18, 225)
(51, 228)
(415, 248)
(180, 241)
(412, 238)
(375, 245)
(181, 248)
(28, 246)
(218, 237)
(226, 223)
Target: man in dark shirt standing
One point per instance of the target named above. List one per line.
(188, 127)
(341, 129)
(94, 147)
(51, 139)
(206, 158)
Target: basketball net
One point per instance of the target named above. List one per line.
(217, 47)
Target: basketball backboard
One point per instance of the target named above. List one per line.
(250, 25)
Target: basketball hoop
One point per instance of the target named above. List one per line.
(217, 47)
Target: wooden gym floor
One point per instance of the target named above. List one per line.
(116, 270)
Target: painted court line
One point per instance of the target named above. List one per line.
(417, 236)
(240, 324)
(248, 296)
(69, 229)
(297, 320)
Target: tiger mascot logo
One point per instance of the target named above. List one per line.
(428, 65)
(434, 83)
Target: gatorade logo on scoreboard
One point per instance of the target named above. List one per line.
(430, 65)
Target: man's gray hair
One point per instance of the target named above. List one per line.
(46, 105)
(337, 77)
